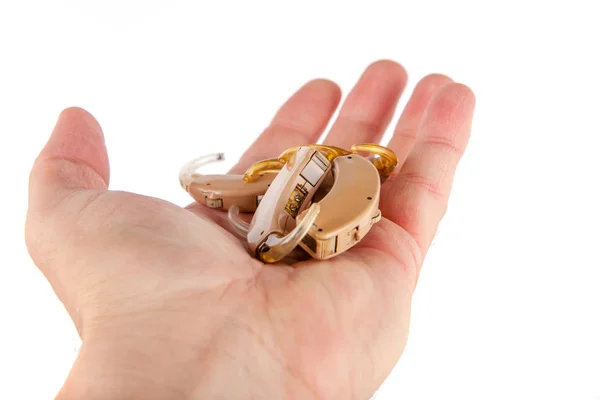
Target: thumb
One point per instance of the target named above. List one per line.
(73, 164)
(74, 159)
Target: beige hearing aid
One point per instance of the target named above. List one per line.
(223, 191)
(347, 210)
(273, 232)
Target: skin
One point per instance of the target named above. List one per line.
(169, 304)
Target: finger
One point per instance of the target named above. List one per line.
(370, 105)
(407, 127)
(418, 197)
(301, 120)
(73, 159)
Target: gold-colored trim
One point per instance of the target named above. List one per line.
(385, 160)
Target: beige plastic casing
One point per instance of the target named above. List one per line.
(290, 193)
(223, 191)
(348, 210)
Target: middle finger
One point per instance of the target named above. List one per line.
(370, 106)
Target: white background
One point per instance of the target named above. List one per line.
(508, 305)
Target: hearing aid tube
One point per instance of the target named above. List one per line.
(239, 225)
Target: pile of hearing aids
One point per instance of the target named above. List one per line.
(317, 198)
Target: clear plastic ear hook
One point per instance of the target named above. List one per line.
(276, 247)
(188, 172)
(240, 226)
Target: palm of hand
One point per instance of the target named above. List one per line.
(175, 284)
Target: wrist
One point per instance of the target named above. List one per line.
(100, 375)
(127, 366)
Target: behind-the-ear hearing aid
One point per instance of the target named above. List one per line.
(223, 191)
(273, 232)
(347, 211)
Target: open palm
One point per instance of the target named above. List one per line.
(168, 301)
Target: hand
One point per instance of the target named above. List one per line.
(169, 304)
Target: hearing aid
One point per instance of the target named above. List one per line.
(348, 209)
(223, 191)
(273, 232)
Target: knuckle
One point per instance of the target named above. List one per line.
(444, 143)
(354, 128)
(406, 132)
(423, 184)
